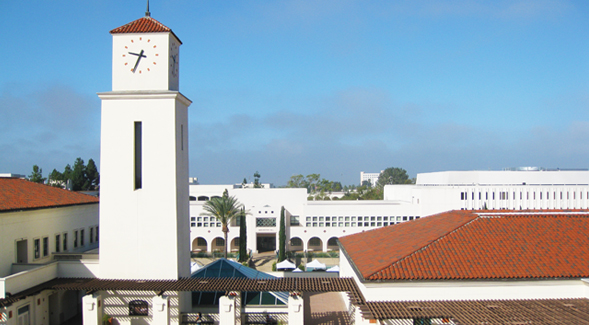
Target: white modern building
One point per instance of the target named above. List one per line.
(315, 225)
(371, 177)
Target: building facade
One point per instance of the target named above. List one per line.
(315, 225)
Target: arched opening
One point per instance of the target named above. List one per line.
(234, 247)
(192, 198)
(203, 198)
(332, 244)
(315, 244)
(199, 244)
(296, 244)
(218, 244)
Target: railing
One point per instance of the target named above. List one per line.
(266, 318)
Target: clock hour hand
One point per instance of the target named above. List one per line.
(139, 56)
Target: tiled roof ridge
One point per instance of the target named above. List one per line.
(535, 213)
(427, 245)
(127, 28)
(18, 194)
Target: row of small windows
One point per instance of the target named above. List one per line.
(348, 224)
(61, 243)
(314, 221)
(505, 195)
(351, 221)
(398, 218)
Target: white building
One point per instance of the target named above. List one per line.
(370, 177)
(45, 232)
(314, 225)
(488, 257)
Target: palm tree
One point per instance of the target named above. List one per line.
(223, 208)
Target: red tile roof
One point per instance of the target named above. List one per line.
(20, 194)
(143, 25)
(475, 245)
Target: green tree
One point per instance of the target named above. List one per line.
(37, 175)
(282, 237)
(242, 236)
(92, 177)
(297, 181)
(393, 175)
(224, 209)
(67, 172)
(56, 179)
(257, 180)
(312, 180)
(78, 175)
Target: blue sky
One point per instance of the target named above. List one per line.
(301, 87)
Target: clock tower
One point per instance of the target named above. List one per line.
(144, 218)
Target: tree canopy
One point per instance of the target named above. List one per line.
(37, 175)
(393, 175)
(83, 177)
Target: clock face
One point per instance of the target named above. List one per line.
(174, 58)
(140, 55)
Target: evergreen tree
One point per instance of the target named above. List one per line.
(282, 237)
(37, 175)
(242, 237)
(92, 176)
(56, 179)
(257, 180)
(78, 175)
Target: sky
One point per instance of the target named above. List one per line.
(300, 87)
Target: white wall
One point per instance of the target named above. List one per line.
(492, 177)
(40, 223)
(147, 224)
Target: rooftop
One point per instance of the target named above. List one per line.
(465, 245)
(19, 194)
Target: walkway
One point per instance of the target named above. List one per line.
(325, 308)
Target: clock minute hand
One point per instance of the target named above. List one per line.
(139, 56)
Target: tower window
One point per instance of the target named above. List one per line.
(138, 139)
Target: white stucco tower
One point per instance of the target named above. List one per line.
(144, 231)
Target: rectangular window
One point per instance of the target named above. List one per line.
(75, 239)
(182, 136)
(37, 248)
(138, 138)
(57, 243)
(45, 246)
(82, 237)
(97, 234)
(91, 237)
(65, 241)
(294, 221)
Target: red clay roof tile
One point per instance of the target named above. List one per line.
(475, 245)
(142, 25)
(20, 194)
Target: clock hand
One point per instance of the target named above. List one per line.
(139, 56)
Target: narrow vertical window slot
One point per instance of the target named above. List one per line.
(138, 140)
(182, 136)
